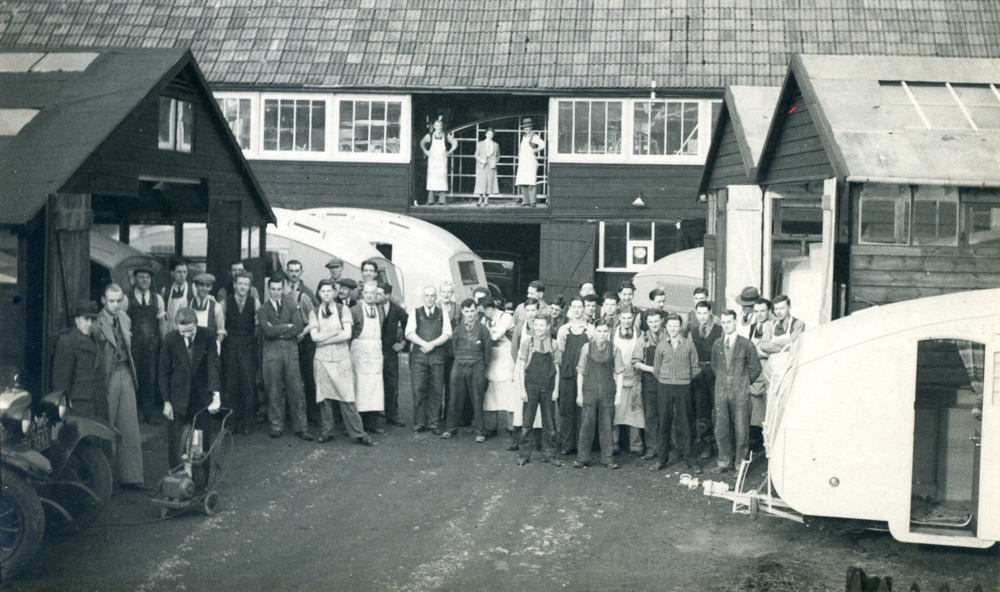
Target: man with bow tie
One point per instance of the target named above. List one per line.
(113, 334)
(428, 328)
(280, 322)
(366, 357)
(189, 380)
(148, 314)
(178, 294)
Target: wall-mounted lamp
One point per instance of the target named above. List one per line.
(702, 197)
(638, 203)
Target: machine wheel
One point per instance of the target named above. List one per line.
(211, 503)
(88, 466)
(22, 523)
(754, 504)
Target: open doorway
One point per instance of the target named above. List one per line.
(945, 477)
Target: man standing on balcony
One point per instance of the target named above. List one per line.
(527, 163)
(433, 145)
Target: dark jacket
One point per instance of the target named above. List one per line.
(77, 370)
(274, 326)
(103, 332)
(358, 318)
(735, 378)
(393, 327)
(188, 380)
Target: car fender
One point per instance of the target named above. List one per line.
(27, 461)
(71, 432)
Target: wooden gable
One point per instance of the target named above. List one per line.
(794, 150)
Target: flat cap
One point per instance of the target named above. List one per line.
(204, 278)
(335, 262)
(348, 283)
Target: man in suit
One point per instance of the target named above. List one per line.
(113, 335)
(345, 292)
(76, 365)
(393, 341)
(471, 344)
(280, 321)
(691, 319)
(189, 379)
(736, 365)
(704, 333)
(307, 302)
(760, 320)
(446, 294)
(366, 357)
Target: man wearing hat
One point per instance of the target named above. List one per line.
(76, 365)
(147, 311)
(345, 292)
(207, 309)
(527, 162)
(747, 298)
(336, 267)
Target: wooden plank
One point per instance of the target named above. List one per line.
(906, 251)
(929, 264)
(918, 279)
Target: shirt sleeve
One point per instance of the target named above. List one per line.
(638, 351)
(619, 361)
(411, 324)
(581, 366)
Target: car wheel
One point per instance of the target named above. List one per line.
(22, 523)
(89, 467)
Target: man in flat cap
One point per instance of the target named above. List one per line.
(77, 363)
(148, 313)
(345, 292)
(207, 309)
(336, 267)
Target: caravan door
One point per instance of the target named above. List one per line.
(989, 449)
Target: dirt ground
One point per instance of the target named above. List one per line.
(418, 513)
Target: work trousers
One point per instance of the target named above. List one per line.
(283, 382)
(307, 351)
(539, 397)
(390, 381)
(207, 423)
(673, 401)
(427, 379)
(353, 424)
(634, 438)
(732, 417)
(599, 415)
(703, 395)
(468, 384)
(446, 393)
(239, 362)
(569, 414)
(651, 412)
(147, 358)
(123, 416)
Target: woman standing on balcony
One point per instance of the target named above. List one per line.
(433, 145)
(487, 153)
(527, 163)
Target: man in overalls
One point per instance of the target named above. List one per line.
(541, 375)
(471, 345)
(598, 374)
(569, 341)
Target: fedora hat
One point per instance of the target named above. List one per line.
(86, 308)
(748, 296)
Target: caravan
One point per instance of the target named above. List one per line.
(425, 254)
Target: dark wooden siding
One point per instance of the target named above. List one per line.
(797, 154)
(567, 257)
(607, 191)
(884, 274)
(728, 168)
(298, 185)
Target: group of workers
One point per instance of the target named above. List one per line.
(553, 374)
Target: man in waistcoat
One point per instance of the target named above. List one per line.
(148, 314)
(427, 328)
(446, 298)
(280, 322)
(235, 268)
(239, 352)
(76, 365)
(471, 344)
(393, 341)
(113, 335)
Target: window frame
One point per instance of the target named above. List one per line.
(649, 244)
(222, 96)
(627, 155)
(174, 125)
(332, 152)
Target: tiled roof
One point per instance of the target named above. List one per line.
(508, 44)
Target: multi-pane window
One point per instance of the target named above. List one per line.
(370, 126)
(590, 127)
(631, 130)
(665, 127)
(935, 215)
(885, 214)
(294, 125)
(176, 129)
(905, 215)
(237, 114)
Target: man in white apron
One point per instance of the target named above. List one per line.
(366, 357)
(531, 146)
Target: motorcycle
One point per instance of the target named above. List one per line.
(55, 477)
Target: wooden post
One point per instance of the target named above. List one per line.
(67, 266)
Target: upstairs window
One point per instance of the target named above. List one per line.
(176, 130)
(370, 126)
(590, 127)
(294, 125)
(237, 114)
(665, 127)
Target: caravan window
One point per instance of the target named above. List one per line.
(467, 271)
